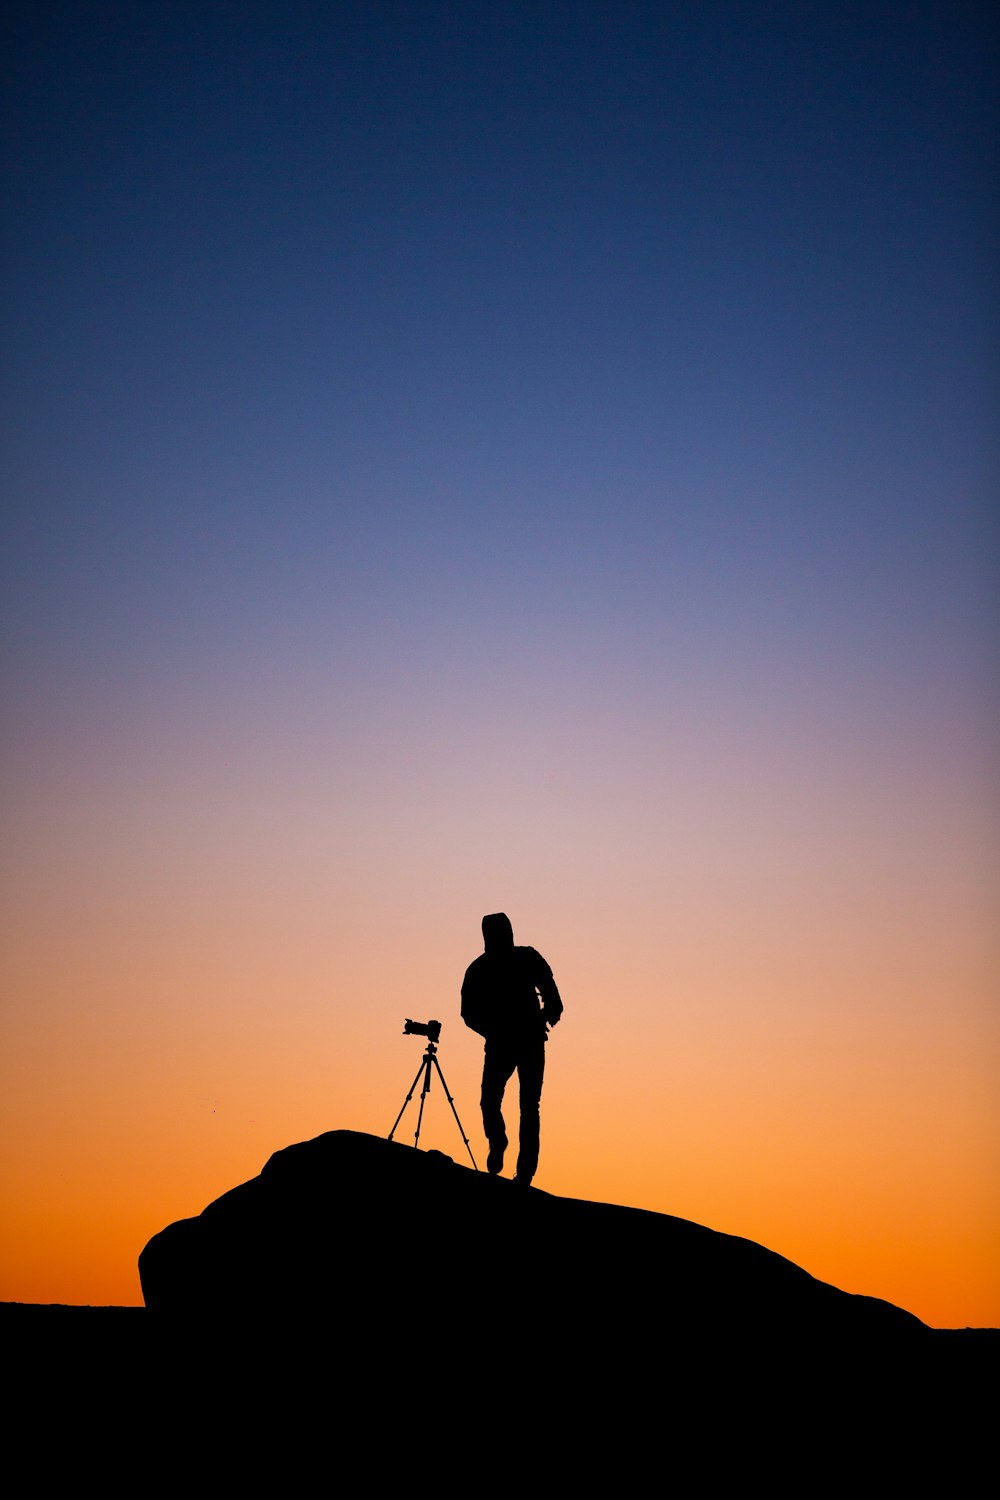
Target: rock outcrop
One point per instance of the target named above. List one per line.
(367, 1236)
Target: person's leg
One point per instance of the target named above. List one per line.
(498, 1064)
(530, 1067)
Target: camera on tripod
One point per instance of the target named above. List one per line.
(430, 1065)
(430, 1029)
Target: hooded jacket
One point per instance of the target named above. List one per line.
(508, 992)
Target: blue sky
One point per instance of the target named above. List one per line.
(655, 290)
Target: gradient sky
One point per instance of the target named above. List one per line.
(539, 457)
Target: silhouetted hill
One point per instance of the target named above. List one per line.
(372, 1230)
(441, 1304)
(363, 1303)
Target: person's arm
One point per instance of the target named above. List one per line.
(552, 1006)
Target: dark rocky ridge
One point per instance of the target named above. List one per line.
(432, 1309)
(364, 1309)
(365, 1230)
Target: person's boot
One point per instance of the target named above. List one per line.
(527, 1162)
(494, 1162)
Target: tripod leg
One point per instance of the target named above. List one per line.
(406, 1101)
(423, 1098)
(454, 1111)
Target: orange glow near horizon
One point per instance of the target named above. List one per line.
(822, 1102)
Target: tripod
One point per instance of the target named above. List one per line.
(430, 1061)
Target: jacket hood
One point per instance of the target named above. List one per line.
(498, 934)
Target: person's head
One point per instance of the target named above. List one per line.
(497, 932)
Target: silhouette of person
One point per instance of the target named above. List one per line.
(510, 998)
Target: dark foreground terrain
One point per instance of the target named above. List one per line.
(362, 1303)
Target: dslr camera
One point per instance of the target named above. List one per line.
(430, 1029)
